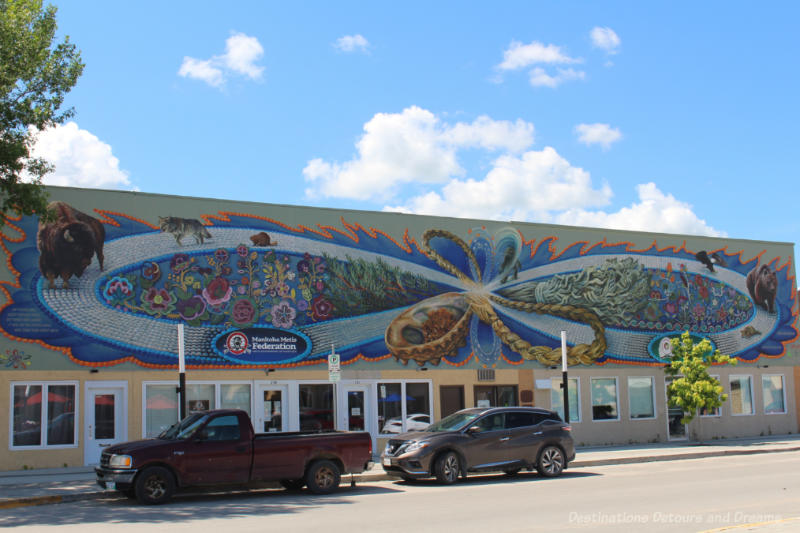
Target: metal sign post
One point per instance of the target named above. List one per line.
(181, 373)
(564, 380)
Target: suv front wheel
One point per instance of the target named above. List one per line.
(447, 468)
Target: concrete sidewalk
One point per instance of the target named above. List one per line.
(37, 487)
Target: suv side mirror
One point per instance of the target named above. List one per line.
(474, 429)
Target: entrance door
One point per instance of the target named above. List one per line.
(106, 418)
(270, 414)
(354, 415)
(675, 429)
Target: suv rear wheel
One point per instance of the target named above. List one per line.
(551, 462)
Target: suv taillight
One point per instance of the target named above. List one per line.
(567, 428)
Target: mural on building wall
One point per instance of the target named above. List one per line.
(256, 292)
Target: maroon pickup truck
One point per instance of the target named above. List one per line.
(220, 448)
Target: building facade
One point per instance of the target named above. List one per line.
(424, 315)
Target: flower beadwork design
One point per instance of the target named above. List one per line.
(283, 315)
(218, 291)
(117, 290)
(157, 301)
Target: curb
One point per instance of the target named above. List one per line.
(677, 456)
(13, 503)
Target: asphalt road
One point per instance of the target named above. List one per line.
(741, 493)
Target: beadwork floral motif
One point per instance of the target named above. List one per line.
(229, 287)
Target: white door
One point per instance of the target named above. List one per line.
(271, 409)
(352, 416)
(354, 409)
(106, 418)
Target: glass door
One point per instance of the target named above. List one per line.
(271, 409)
(106, 420)
(675, 429)
(351, 408)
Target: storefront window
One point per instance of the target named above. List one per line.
(741, 395)
(495, 395)
(235, 396)
(390, 407)
(29, 412)
(161, 408)
(773, 395)
(200, 397)
(417, 399)
(640, 397)
(604, 399)
(557, 398)
(316, 407)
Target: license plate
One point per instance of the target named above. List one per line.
(110, 485)
(387, 461)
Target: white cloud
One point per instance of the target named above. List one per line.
(525, 187)
(201, 70)
(80, 159)
(605, 38)
(655, 211)
(413, 162)
(540, 78)
(240, 57)
(352, 43)
(241, 53)
(519, 55)
(410, 147)
(601, 134)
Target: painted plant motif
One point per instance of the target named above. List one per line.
(242, 286)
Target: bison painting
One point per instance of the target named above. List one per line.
(66, 246)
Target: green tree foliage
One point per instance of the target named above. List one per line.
(692, 387)
(35, 75)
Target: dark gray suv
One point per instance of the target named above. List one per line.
(505, 439)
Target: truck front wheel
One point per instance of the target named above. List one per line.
(323, 477)
(154, 485)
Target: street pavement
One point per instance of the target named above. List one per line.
(57, 485)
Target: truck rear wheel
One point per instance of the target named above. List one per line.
(323, 477)
(155, 485)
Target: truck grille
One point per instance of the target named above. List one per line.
(105, 458)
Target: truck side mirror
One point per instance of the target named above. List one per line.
(201, 435)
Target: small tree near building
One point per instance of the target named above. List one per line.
(692, 388)
(35, 75)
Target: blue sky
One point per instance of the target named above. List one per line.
(677, 117)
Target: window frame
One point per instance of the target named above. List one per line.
(44, 415)
(752, 399)
(652, 395)
(783, 391)
(616, 398)
(403, 403)
(572, 418)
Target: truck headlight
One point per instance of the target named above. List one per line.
(120, 461)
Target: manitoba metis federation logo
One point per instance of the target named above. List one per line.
(236, 343)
